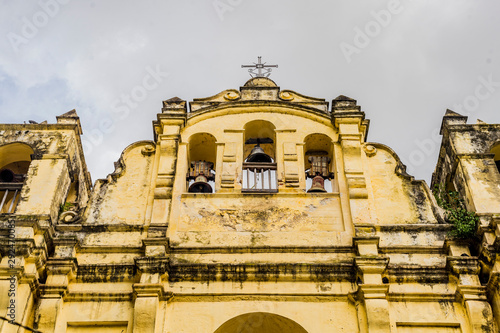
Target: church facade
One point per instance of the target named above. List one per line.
(254, 210)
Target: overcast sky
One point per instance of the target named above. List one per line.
(405, 62)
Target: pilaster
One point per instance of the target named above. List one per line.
(352, 127)
(371, 289)
(59, 272)
(167, 134)
(470, 292)
(23, 254)
(287, 158)
(150, 291)
(232, 159)
(493, 289)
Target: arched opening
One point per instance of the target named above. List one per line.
(259, 155)
(496, 150)
(262, 322)
(318, 163)
(202, 157)
(15, 159)
(261, 130)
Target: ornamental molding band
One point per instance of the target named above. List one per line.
(254, 210)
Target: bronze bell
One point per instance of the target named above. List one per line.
(200, 185)
(257, 155)
(318, 185)
(319, 165)
(201, 172)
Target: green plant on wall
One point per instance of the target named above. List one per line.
(67, 206)
(464, 222)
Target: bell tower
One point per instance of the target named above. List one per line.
(255, 209)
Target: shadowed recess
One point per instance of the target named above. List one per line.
(261, 322)
(496, 150)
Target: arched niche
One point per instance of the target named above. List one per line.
(262, 130)
(317, 144)
(496, 150)
(262, 322)
(259, 167)
(202, 147)
(15, 159)
(73, 192)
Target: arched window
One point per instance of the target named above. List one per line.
(259, 167)
(318, 162)
(15, 159)
(202, 158)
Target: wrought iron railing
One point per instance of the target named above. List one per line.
(9, 197)
(259, 177)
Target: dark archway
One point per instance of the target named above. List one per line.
(15, 159)
(202, 158)
(260, 322)
(260, 129)
(496, 150)
(317, 144)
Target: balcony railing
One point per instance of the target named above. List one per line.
(9, 196)
(259, 178)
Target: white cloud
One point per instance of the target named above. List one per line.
(91, 52)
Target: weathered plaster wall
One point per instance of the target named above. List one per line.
(439, 317)
(483, 184)
(258, 220)
(45, 189)
(95, 316)
(313, 316)
(396, 199)
(124, 196)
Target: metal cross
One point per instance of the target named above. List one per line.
(259, 69)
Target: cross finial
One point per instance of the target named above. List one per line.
(259, 69)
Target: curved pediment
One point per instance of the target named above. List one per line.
(257, 89)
